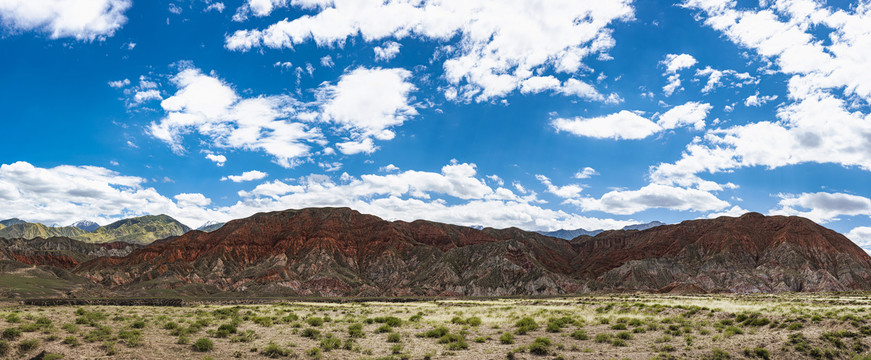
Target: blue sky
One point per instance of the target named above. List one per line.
(541, 115)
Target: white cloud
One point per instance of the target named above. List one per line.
(585, 173)
(860, 235)
(571, 191)
(327, 61)
(387, 51)
(218, 6)
(691, 113)
(147, 95)
(367, 103)
(625, 202)
(81, 19)
(246, 176)
(716, 78)
(364, 105)
(207, 105)
(218, 159)
(501, 43)
(119, 83)
(674, 63)
(389, 168)
(677, 62)
(175, 9)
(756, 100)
(822, 207)
(621, 125)
(819, 49)
(330, 166)
(673, 84)
(496, 179)
(734, 211)
(192, 199)
(283, 64)
(64, 194)
(258, 8)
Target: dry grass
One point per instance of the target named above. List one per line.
(789, 326)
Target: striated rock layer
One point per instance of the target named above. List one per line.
(340, 252)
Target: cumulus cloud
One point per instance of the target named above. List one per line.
(455, 194)
(586, 173)
(756, 100)
(387, 51)
(366, 104)
(501, 43)
(64, 194)
(571, 191)
(218, 159)
(80, 19)
(192, 199)
(720, 78)
(820, 50)
(207, 105)
(821, 206)
(631, 126)
(674, 63)
(861, 236)
(690, 114)
(621, 125)
(626, 202)
(246, 176)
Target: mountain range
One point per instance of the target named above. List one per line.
(341, 252)
(86, 225)
(137, 230)
(571, 234)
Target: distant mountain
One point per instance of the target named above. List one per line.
(644, 226)
(137, 230)
(340, 252)
(570, 234)
(86, 225)
(12, 221)
(35, 230)
(210, 226)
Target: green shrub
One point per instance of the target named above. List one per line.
(384, 329)
(71, 341)
(330, 343)
(13, 318)
(625, 335)
(602, 338)
(436, 333)
(618, 326)
(4, 347)
(274, 351)
(525, 325)
(757, 352)
(393, 337)
(540, 346)
(11, 333)
(28, 345)
(311, 333)
(795, 326)
(580, 334)
(315, 321)
(473, 321)
(52, 356)
(138, 324)
(356, 330)
(618, 342)
(507, 338)
(203, 345)
(458, 320)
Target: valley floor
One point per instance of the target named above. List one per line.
(787, 326)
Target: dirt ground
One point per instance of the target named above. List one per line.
(789, 326)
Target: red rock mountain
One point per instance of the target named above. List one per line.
(340, 252)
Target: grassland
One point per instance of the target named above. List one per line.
(791, 326)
